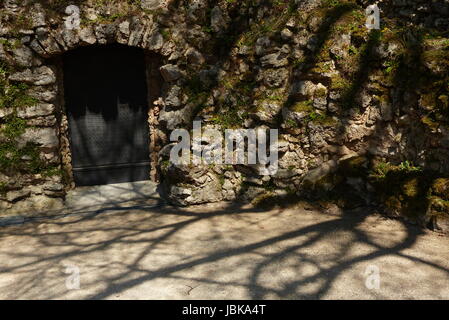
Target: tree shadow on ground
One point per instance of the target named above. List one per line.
(263, 254)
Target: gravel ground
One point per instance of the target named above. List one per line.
(222, 251)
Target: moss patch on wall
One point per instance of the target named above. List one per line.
(13, 157)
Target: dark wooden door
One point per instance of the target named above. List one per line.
(105, 97)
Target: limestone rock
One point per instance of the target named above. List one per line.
(47, 42)
(192, 184)
(87, 35)
(4, 112)
(137, 32)
(358, 132)
(13, 196)
(208, 77)
(274, 78)
(262, 44)
(37, 15)
(11, 5)
(105, 33)
(36, 46)
(123, 32)
(267, 110)
(291, 160)
(39, 76)
(194, 57)
(252, 193)
(180, 192)
(175, 119)
(277, 59)
(23, 56)
(4, 206)
(196, 9)
(45, 95)
(340, 46)
(173, 97)
(301, 38)
(303, 89)
(170, 72)
(286, 34)
(217, 20)
(45, 137)
(42, 109)
(285, 174)
(292, 115)
(44, 121)
(152, 4)
(320, 97)
(153, 40)
(314, 176)
(38, 204)
(71, 37)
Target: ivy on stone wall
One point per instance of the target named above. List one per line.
(15, 158)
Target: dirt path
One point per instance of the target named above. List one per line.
(222, 252)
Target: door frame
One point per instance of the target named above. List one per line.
(155, 86)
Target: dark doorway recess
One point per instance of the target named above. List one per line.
(105, 94)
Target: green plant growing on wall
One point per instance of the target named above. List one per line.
(229, 119)
(290, 123)
(381, 170)
(15, 158)
(25, 159)
(12, 157)
(13, 95)
(52, 171)
(14, 127)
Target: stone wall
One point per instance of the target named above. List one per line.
(354, 107)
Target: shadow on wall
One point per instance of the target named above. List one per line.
(405, 79)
